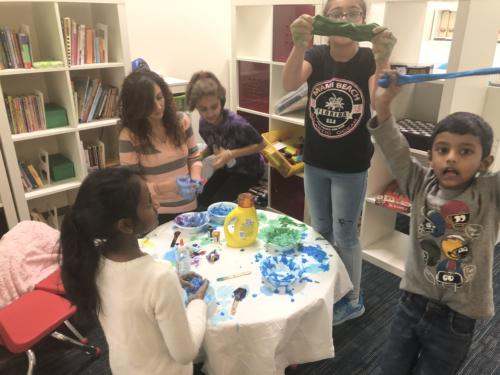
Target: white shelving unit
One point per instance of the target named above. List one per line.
(473, 46)
(259, 51)
(7, 208)
(431, 101)
(46, 37)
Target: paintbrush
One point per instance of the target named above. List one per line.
(174, 240)
(404, 79)
(233, 276)
(238, 295)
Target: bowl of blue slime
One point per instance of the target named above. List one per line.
(192, 222)
(280, 270)
(218, 211)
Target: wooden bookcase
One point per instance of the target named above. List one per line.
(47, 41)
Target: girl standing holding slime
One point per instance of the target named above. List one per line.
(337, 147)
(158, 141)
(105, 274)
(229, 137)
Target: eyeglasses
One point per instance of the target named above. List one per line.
(352, 15)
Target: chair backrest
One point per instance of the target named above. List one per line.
(31, 317)
(52, 283)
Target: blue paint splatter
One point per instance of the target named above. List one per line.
(254, 295)
(258, 257)
(170, 256)
(321, 258)
(266, 291)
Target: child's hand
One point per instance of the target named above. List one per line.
(200, 293)
(186, 279)
(221, 158)
(187, 188)
(383, 43)
(384, 97)
(301, 30)
(198, 185)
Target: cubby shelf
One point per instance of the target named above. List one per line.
(44, 19)
(53, 188)
(258, 57)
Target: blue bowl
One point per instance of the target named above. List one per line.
(280, 270)
(192, 222)
(219, 210)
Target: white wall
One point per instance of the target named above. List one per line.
(179, 37)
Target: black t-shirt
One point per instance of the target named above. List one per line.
(338, 108)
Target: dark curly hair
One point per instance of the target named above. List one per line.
(201, 84)
(137, 103)
(466, 123)
(105, 197)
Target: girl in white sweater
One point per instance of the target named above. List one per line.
(138, 301)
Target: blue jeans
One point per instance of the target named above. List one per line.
(335, 200)
(426, 338)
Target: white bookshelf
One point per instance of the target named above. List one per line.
(46, 36)
(7, 208)
(255, 43)
(252, 42)
(430, 101)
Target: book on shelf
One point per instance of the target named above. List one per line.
(84, 44)
(94, 154)
(29, 177)
(93, 99)
(26, 113)
(66, 25)
(101, 32)
(15, 48)
(3, 57)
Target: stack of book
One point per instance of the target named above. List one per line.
(29, 177)
(85, 45)
(95, 155)
(94, 100)
(15, 48)
(26, 113)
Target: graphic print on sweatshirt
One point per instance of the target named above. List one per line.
(445, 237)
(336, 107)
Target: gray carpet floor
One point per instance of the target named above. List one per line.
(357, 343)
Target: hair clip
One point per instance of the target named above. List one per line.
(98, 242)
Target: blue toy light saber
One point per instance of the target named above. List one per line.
(404, 79)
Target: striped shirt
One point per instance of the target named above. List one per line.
(161, 162)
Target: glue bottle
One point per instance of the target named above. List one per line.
(183, 258)
(241, 225)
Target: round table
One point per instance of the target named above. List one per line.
(272, 328)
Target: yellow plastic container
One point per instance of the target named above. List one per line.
(241, 225)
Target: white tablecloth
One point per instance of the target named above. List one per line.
(269, 330)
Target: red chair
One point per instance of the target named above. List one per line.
(34, 316)
(52, 283)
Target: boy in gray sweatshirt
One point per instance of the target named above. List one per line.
(447, 283)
